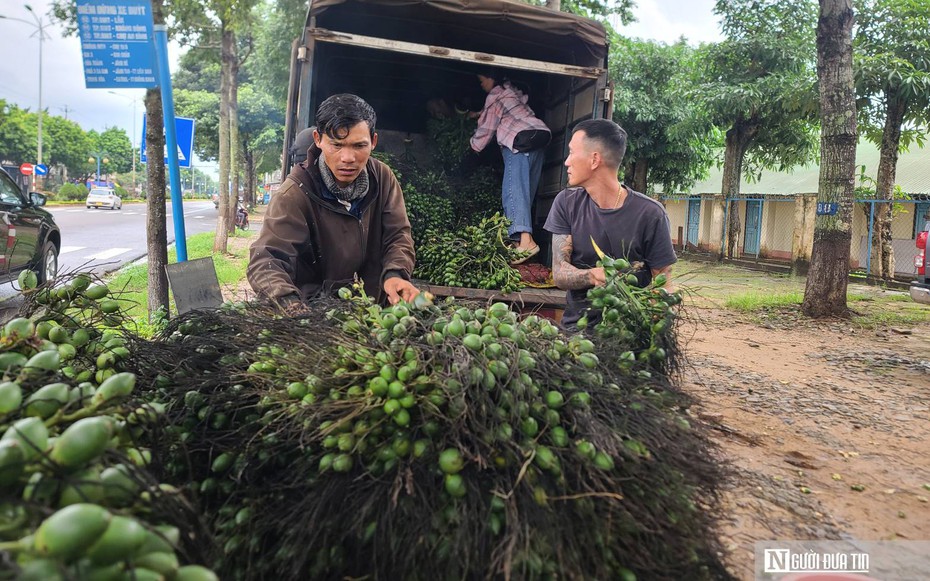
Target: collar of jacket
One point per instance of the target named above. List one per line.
(307, 175)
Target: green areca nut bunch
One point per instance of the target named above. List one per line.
(474, 257)
(420, 441)
(643, 319)
(76, 500)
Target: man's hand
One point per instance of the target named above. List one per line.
(292, 306)
(398, 289)
(598, 276)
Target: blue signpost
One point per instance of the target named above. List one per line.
(171, 140)
(122, 48)
(184, 130)
(116, 43)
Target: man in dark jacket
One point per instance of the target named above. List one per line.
(338, 215)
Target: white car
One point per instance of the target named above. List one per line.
(104, 198)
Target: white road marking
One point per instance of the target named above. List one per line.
(106, 254)
(66, 249)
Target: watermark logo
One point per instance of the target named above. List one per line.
(789, 561)
(870, 560)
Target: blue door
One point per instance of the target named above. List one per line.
(753, 229)
(694, 222)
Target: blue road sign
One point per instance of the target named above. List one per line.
(41, 169)
(184, 127)
(117, 43)
(827, 208)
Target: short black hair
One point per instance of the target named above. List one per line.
(609, 137)
(338, 114)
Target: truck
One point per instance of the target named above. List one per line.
(920, 287)
(400, 54)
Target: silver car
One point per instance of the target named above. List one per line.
(104, 198)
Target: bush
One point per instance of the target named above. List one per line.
(122, 192)
(71, 192)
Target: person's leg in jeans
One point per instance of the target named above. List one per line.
(516, 196)
(536, 165)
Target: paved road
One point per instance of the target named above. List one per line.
(104, 240)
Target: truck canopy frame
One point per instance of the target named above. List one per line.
(399, 55)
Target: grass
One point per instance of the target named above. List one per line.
(756, 301)
(132, 282)
(755, 294)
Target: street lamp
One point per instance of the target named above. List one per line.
(133, 140)
(39, 25)
(98, 157)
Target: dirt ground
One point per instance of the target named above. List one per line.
(825, 425)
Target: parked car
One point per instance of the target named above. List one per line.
(104, 198)
(920, 288)
(33, 240)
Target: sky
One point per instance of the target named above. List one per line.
(64, 94)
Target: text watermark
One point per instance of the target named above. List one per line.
(880, 560)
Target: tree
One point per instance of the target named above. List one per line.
(156, 228)
(760, 92)
(261, 127)
(893, 85)
(67, 144)
(827, 280)
(203, 107)
(17, 133)
(670, 141)
(591, 8)
(260, 117)
(118, 147)
(204, 24)
(282, 21)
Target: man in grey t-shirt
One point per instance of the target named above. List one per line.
(623, 223)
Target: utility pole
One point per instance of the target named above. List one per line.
(66, 109)
(40, 30)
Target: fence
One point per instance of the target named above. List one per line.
(778, 228)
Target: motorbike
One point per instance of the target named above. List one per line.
(242, 218)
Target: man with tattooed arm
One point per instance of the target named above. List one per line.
(597, 207)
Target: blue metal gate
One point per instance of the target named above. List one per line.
(753, 223)
(694, 222)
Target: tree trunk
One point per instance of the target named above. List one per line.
(221, 237)
(828, 278)
(155, 226)
(640, 168)
(738, 139)
(882, 262)
(234, 171)
(250, 181)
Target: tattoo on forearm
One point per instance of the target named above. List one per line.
(564, 274)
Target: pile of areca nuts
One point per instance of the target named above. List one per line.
(76, 498)
(425, 440)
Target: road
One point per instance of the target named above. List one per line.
(104, 240)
